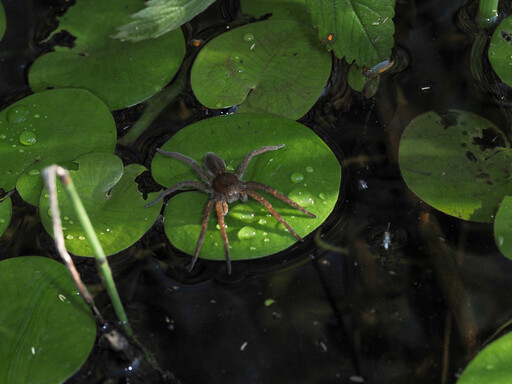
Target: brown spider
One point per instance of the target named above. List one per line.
(225, 187)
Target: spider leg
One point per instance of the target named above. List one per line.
(221, 211)
(175, 187)
(250, 155)
(276, 193)
(187, 160)
(267, 205)
(204, 225)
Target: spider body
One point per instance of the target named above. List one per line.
(225, 187)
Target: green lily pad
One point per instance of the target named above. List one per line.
(305, 170)
(47, 329)
(360, 30)
(5, 214)
(458, 162)
(280, 9)
(493, 365)
(3, 23)
(50, 127)
(112, 200)
(503, 227)
(272, 66)
(500, 51)
(120, 73)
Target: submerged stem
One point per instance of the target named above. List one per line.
(487, 13)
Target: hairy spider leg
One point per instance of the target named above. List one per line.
(261, 199)
(221, 211)
(276, 193)
(245, 162)
(204, 225)
(188, 160)
(175, 187)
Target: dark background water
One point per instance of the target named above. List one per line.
(412, 298)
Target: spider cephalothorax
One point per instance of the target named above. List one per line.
(225, 187)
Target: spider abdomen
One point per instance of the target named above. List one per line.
(227, 184)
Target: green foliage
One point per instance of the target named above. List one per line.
(305, 170)
(159, 17)
(500, 51)
(54, 126)
(119, 73)
(112, 200)
(503, 227)
(3, 23)
(280, 9)
(272, 66)
(47, 330)
(458, 162)
(5, 214)
(358, 30)
(493, 365)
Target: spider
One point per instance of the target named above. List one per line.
(225, 187)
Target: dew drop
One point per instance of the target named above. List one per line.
(309, 169)
(248, 37)
(266, 239)
(321, 195)
(252, 248)
(66, 218)
(2, 220)
(20, 150)
(218, 105)
(69, 237)
(49, 212)
(37, 115)
(34, 172)
(262, 221)
(71, 222)
(28, 138)
(81, 237)
(17, 114)
(297, 177)
(3, 137)
(302, 196)
(243, 216)
(246, 233)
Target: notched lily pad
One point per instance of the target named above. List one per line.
(492, 365)
(47, 329)
(272, 66)
(500, 51)
(50, 127)
(5, 214)
(305, 170)
(120, 73)
(458, 162)
(112, 200)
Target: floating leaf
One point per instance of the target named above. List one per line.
(458, 162)
(305, 170)
(493, 365)
(270, 66)
(503, 227)
(360, 30)
(5, 214)
(500, 51)
(3, 23)
(50, 127)
(279, 9)
(47, 329)
(112, 200)
(120, 73)
(159, 17)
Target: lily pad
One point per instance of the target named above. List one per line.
(360, 30)
(500, 51)
(271, 66)
(49, 127)
(47, 329)
(3, 23)
(458, 162)
(492, 365)
(280, 9)
(5, 214)
(120, 73)
(305, 170)
(503, 227)
(112, 200)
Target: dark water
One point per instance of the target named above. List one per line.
(410, 301)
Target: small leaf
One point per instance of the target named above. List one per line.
(112, 200)
(493, 365)
(503, 227)
(269, 66)
(47, 330)
(159, 17)
(360, 30)
(50, 127)
(3, 23)
(119, 73)
(279, 9)
(5, 214)
(305, 170)
(500, 51)
(458, 162)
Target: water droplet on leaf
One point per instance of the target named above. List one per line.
(248, 37)
(246, 233)
(34, 172)
(309, 169)
(297, 177)
(28, 138)
(17, 114)
(302, 196)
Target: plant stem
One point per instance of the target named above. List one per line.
(487, 13)
(49, 174)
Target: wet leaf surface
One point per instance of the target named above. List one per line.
(5, 214)
(503, 227)
(500, 51)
